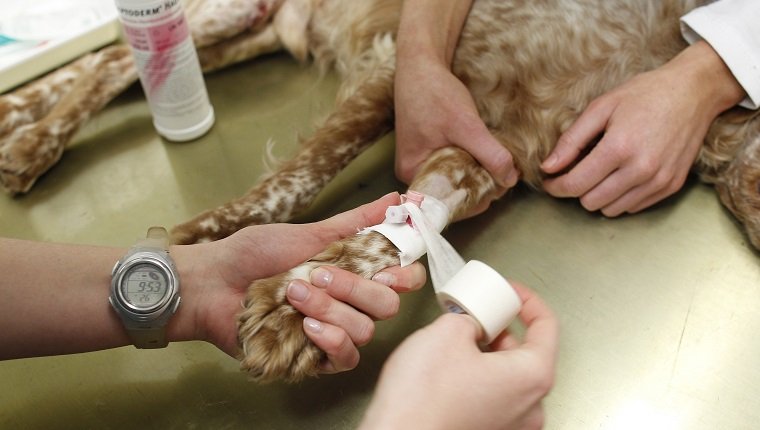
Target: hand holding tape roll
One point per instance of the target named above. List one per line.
(473, 288)
(482, 293)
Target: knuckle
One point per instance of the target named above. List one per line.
(319, 304)
(597, 103)
(566, 140)
(343, 288)
(621, 150)
(662, 181)
(649, 167)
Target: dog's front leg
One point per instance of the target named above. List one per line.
(271, 331)
(452, 176)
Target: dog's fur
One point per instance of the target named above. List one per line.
(531, 66)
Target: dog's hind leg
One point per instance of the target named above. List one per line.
(40, 118)
(730, 159)
(357, 122)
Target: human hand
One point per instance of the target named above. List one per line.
(341, 308)
(652, 128)
(216, 275)
(435, 110)
(439, 379)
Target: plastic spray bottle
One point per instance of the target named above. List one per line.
(168, 67)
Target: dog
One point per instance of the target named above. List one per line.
(531, 67)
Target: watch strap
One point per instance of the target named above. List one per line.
(157, 237)
(148, 338)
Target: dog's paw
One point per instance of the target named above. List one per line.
(27, 153)
(271, 333)
(270, 330)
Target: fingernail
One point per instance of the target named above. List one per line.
(549, 162)
(321, 277)
(297, 291)
(385, 278)
(512, 178)
(312, 325)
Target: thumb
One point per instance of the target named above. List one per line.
(490, 153)
(366, 215)
(457, 329)
(581, 133)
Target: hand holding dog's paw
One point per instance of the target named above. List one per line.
(291, 328)
(341, 308)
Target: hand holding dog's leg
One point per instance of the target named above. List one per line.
(648, 141)
(433, 108)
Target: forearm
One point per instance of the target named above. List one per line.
(55, 300)
(431, 28)
(729, 26)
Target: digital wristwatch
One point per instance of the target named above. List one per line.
(145, 289)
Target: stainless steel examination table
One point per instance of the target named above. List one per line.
(659, 312)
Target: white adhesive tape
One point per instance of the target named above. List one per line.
(410, 243)
(482, 293)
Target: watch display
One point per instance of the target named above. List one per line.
(144, 286)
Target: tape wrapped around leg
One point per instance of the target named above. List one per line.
(410, 243)
(473, 288)
(482, 293)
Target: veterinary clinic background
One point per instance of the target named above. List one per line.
(655, 310)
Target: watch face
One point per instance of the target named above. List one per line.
(144, 285)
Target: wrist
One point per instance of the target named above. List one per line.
(718, 87)
(186, 324)
(431, 29)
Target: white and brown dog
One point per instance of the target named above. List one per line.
(524, 106)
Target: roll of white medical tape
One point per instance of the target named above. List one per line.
(482, 293)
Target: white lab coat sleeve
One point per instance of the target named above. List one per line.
(732, 28)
